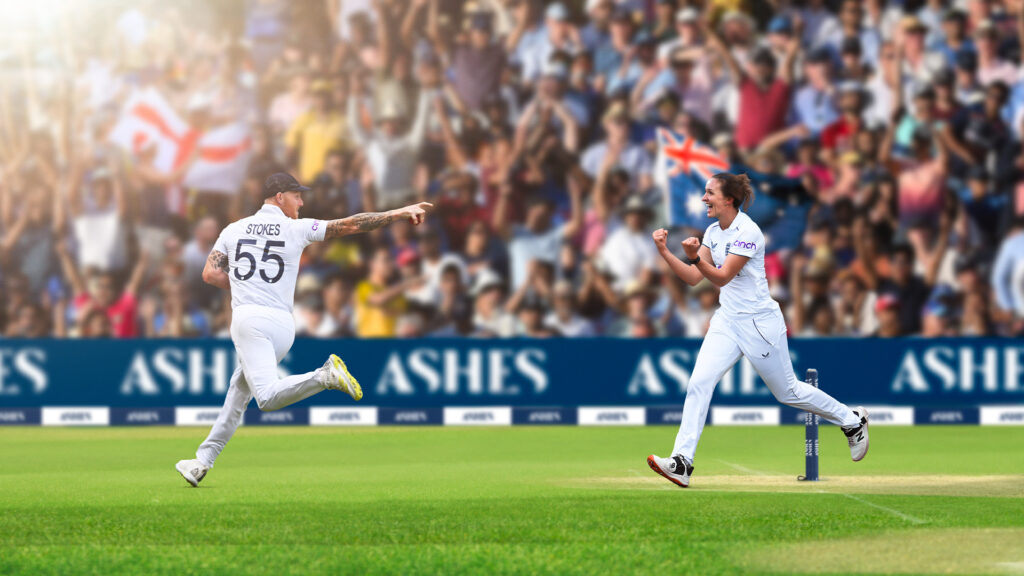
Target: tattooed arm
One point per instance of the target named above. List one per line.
(216, 270)
(369, 221)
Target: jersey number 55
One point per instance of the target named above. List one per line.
(268, 256)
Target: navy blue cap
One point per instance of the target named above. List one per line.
(937, 308)
(820, 55)
(780, 25)
(282, 182)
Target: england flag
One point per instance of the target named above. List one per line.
(223, 159)
(148, 120)
(223, 152)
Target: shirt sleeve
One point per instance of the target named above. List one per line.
(705, 240)
(221, 245)
(310, 230)
(747, 242)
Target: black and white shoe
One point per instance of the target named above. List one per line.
(857, 436)
(677, 468)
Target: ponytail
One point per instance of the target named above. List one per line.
(737, 187)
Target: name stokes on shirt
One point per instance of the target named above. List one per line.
(264, 229)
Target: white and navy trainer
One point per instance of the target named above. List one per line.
(677, 468)
(335, 376)
(857, 436)
(193, 471)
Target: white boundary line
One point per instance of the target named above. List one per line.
(750, 471)
(893, 511)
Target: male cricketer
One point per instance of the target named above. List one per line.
(257, 259)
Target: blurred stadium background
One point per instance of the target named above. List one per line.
(885, 142)
(885, 145)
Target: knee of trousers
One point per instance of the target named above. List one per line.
(788, 396)
(263, 402)
(700, 385)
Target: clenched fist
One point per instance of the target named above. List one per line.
(691, 245)
(660, 238)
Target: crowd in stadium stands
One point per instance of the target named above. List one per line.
(531, 127)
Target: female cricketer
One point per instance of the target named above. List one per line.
(749, 323)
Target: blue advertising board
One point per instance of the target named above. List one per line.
(935, 374)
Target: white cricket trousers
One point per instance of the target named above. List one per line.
(262, 337)
(762, 339)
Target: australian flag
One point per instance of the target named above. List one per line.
(684, 166)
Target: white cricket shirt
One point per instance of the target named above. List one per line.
(747, 292)
(263, 256)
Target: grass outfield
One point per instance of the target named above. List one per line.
(509, 500)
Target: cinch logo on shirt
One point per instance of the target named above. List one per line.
(316, 225)
(745, 245)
